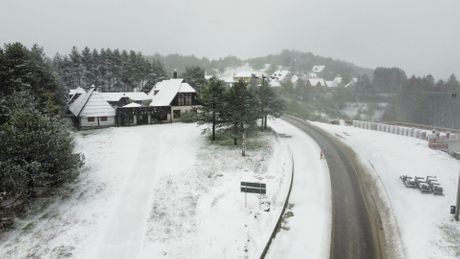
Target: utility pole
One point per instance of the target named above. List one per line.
(458, 199)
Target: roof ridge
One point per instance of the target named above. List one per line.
(90, 93)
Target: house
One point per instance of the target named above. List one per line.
(174, 97)
(281, 76)
(318, 69)
(91, 110)
(316, 82)
(248, 77)
(74, 94)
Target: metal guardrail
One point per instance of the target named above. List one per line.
(280, 218)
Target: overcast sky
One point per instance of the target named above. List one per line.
(420, 36)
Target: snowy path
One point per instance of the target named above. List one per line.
(125, 231)
(305, 234)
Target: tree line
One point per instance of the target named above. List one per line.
(423, 100)
(110, 70)
(237, 107)
(36, 156)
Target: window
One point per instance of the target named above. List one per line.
(103, 118)
(176, 114)
(90, 119)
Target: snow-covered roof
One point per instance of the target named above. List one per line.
(77, 90)
(186, 88)
(91, 104)
(318, 69)
(246, 74)
(168, 89)
(116, 96)
(312, 75)
(294, 79)
(132, 105)
(280, 75)
(317, 81)
(275, 83)
(332, 84)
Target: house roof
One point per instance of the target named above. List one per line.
(318, 69)
(132, 105)
(77, 90)
(116, 96)
(317, 81)
(280, 75)
(91, 104)
(168, 89)
(246, 74)
(275, 83)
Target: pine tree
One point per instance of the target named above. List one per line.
(212, 99)
(241, 108)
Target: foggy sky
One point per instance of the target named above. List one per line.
(420, 36)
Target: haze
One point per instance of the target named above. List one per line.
(420, 36)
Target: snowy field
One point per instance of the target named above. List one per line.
(158, 191)
(426, 228)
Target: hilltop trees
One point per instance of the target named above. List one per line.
(112, 70)
(423, 100)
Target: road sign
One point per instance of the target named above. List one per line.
(253, 187)
(254, 190)
(248, 187)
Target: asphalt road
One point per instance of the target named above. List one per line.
(356, 225)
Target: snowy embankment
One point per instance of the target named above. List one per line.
(425, 226)
(306, 228)
(158, 191)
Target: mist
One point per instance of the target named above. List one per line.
(419, 36)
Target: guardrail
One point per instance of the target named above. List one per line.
(280, 218)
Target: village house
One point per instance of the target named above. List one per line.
(91, 110)
(175, 97)
(166, 102)
(248, 77)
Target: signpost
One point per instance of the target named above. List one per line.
(248, 187)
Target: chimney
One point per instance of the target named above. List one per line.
(175, 74)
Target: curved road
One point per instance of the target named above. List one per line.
(356, 226)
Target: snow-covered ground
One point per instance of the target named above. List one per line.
(306, 230)
(158, 191)
(426, 228)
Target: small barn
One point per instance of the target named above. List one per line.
(91, 110)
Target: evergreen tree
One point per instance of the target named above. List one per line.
(241, 108)
(212, 99)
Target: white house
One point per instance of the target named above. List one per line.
(316, 82)
(318, 69)
(91, 110)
